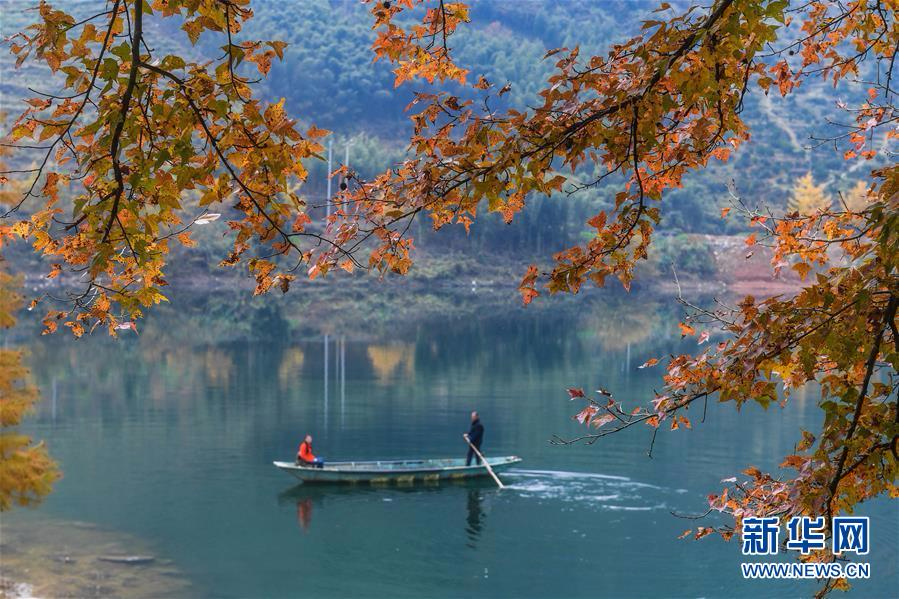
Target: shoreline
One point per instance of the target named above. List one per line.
(48, 556)
(731, 268)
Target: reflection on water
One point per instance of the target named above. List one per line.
(304, 512)
(335, 498)
(475, 517)
(304, 497)
(169, 436)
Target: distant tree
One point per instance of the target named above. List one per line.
(808, 198)
(134, 129)
(858, 197)
(26, 470)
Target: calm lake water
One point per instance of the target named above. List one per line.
(168, 436)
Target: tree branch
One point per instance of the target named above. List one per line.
(889, 315)
(115, 145)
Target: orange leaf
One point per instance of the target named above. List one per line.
(527, 294)
(300, 222)
(686, 329)
(314, 132)
(185, 239)
(598, 221)
(803, 269)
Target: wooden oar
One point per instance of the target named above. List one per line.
(484, 460)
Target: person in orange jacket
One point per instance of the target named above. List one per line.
(305, 457)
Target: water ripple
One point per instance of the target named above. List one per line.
(602, 491)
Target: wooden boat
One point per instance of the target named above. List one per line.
(395, 471)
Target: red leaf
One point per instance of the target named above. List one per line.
(585, 415)
(124, 326)
(605, 419)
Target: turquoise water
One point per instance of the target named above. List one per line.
(169, 435)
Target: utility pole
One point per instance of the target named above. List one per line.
(346, 160)
(342, 377)
(328, 199)
(326, 381)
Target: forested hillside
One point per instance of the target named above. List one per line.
(328, 78)
(328, 75)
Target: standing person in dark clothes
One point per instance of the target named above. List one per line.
(475, 436)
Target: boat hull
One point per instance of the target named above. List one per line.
(387, 472)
